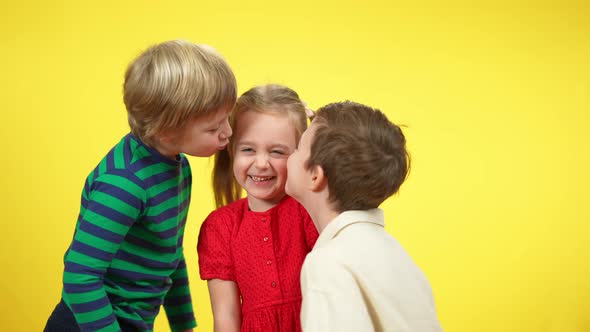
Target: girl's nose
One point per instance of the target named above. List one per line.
(261, 161)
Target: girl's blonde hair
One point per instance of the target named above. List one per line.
(271, 98)
(172, 82)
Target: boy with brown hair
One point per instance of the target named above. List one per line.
(126, 258)
(357, 277)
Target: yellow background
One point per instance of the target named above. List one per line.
(495, 98)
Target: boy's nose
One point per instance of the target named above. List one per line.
(226, 130)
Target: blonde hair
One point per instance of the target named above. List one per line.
(271, 98)
(172, 82)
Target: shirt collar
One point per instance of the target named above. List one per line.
(372, 216)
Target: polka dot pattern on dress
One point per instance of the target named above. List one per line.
(263, 253)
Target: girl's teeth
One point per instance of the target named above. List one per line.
(261, 178)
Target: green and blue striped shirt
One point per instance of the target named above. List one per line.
(126, 257)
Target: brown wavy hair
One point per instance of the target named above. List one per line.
(362, 153)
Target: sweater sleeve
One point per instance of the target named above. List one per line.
(110, 206)
(178, 303)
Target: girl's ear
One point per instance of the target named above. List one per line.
(319, 181)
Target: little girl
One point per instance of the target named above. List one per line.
(252, 249)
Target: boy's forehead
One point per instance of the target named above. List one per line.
(224, 110)
(309, 133)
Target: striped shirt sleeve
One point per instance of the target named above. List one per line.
(110, 206)
(178, 302)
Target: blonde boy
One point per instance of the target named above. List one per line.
(126, 257)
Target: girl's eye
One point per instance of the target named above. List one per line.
(246, 149)
(279, 152)
(214, 130)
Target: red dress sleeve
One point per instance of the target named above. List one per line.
(213, 248)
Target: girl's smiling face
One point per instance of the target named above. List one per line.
(262, 144)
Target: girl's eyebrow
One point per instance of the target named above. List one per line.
(282, 146)
(273, 146)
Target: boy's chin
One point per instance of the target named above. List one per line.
(288, 192)
(204, 154)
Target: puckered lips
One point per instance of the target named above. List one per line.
(223, 146)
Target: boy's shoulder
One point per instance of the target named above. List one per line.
(135, 155)
(325, 266)
(113, 161)
(132, 159)
(350, 242)
(139, 154)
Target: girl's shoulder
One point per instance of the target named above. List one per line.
(292, 209)
(228, 213)
(290, 206)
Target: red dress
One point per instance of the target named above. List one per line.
(263, 253)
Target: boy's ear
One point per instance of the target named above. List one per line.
(319, 181)
(166, 136)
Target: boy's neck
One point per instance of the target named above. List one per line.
(164, 151)
(320, 209)
(323, 217)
